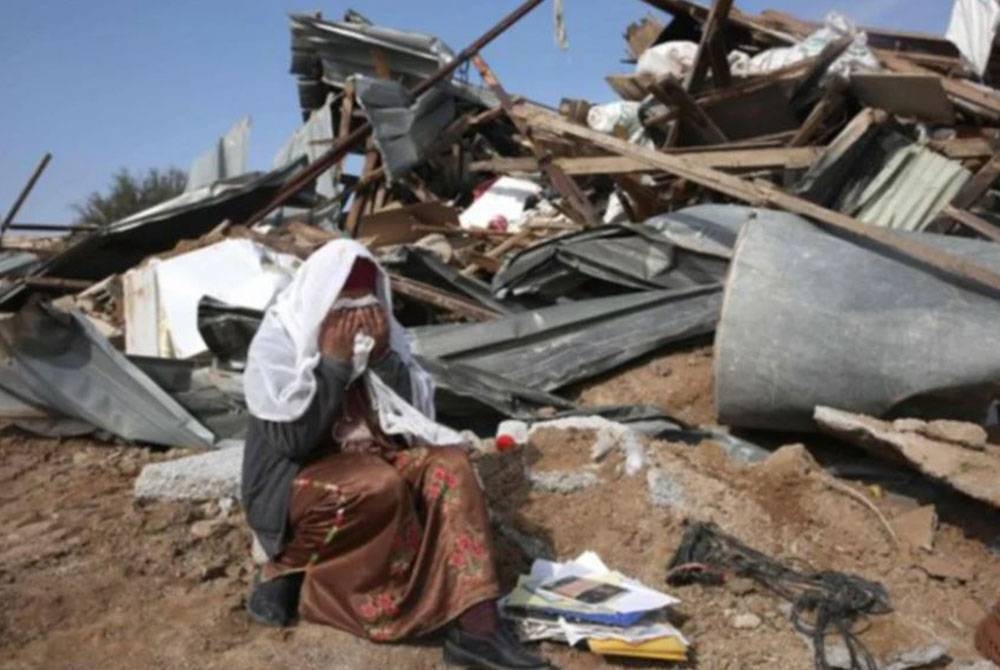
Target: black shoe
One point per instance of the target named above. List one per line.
(500, 651)
(276, 601)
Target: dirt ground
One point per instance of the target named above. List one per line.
(90, 578)
(679, 382)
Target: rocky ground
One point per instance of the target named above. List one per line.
(90, 578)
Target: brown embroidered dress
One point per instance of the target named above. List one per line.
(394, 542)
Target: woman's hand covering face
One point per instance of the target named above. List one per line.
(377, 327)
(336, 335)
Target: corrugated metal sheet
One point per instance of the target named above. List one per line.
(912, 187)
(326, 53)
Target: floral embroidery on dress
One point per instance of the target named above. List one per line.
(468, 554)
(441, 484)
(407, 459)
(404, 548)
(379, 610)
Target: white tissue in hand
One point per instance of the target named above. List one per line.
(363, 346)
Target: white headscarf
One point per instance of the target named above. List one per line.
(279, 381)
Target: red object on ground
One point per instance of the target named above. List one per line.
(988, 635)
(505, 443)
(498, 223)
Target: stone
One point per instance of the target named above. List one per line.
(917, 527)
(664, 491)
(207, 528)
(562, 481)
(974, 473)
(947, 568)
(970, 613)
(741, 586)
(205, 476)
(746, 621)
(958, 432)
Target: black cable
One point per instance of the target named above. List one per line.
(824, 603)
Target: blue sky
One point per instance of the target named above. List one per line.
(104, 84)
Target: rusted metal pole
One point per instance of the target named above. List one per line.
(340, 148)
(24, 193)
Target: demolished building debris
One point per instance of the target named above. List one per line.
(817, 198)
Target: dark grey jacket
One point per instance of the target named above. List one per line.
(276, 450)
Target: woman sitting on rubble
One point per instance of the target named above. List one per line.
(367, 527)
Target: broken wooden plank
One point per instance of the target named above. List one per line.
(403, 225)
(627, 86)
(57, 284)
(578, 202)
(703, 56)
(642, 34)
(362, 190)
(764, 194)
(430, 295)
(983, 99)
(735, 17)
(767, 158)
(971, 193)
(970, 220)
(914, 95)
(671, 93)
(830, 104)
(976, 188)
(963, 148)
(344, 127)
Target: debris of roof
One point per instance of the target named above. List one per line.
(819, 198)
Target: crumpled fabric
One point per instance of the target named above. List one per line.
(858, 56)
(279, 381)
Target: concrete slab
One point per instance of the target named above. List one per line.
(215, 474)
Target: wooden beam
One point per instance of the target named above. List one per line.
(962, 148)
(431, 295)
(710, 32)
(735, 17)
(578, 202)
(831, 103)
(671, 93)
(344, 127)
(765, 194)
(980, 98)
(735, 159)
(718, 54)
(970, 220)
(971, 193)
(974, 189)
(57, 284)
(362, 190)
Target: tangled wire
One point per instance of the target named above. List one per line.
(823, 603)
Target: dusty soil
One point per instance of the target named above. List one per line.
(678, 381)
(89, 578)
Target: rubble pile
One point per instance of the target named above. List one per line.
(817, 199)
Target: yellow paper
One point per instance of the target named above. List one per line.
(663, 648)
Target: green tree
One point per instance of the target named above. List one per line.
(130, 193)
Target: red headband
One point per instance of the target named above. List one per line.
(362, 276)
